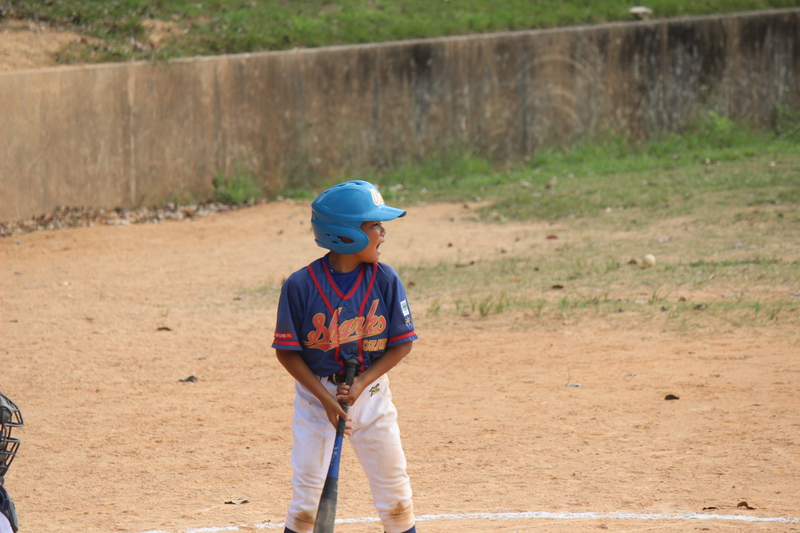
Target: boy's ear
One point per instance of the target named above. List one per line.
(346, 240)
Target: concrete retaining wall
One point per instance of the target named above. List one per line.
(131, 134)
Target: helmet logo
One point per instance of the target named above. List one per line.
(376, 197)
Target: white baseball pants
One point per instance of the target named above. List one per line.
(5, 525)
(376, 442)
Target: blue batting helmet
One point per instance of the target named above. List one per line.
(337, 214)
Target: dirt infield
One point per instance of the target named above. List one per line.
(504, 415)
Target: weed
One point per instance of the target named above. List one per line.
(656, 298)
(564, 306)
(537, 305)
(612, 265)
(788, 123)
(182, 196)
(485, 306)
(241, 188)
(460, 309)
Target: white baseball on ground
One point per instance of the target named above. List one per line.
(649, 260)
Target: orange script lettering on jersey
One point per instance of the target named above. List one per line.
(326, 337)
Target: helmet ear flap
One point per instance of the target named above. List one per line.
(334, 237)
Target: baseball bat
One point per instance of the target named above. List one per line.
(326, 512)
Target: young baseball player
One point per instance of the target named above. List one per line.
(346, 305)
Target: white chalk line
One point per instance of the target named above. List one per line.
(512, 516)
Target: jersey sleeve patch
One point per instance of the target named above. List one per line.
(404, 308)
(285, 339)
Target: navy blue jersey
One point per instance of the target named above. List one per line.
(328, 327)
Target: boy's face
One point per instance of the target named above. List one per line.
(376, 234)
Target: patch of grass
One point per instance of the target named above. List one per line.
(125, 28)
(703, 277)
(717, 264)
(715, 160)
(626, 295)
(444, 176)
